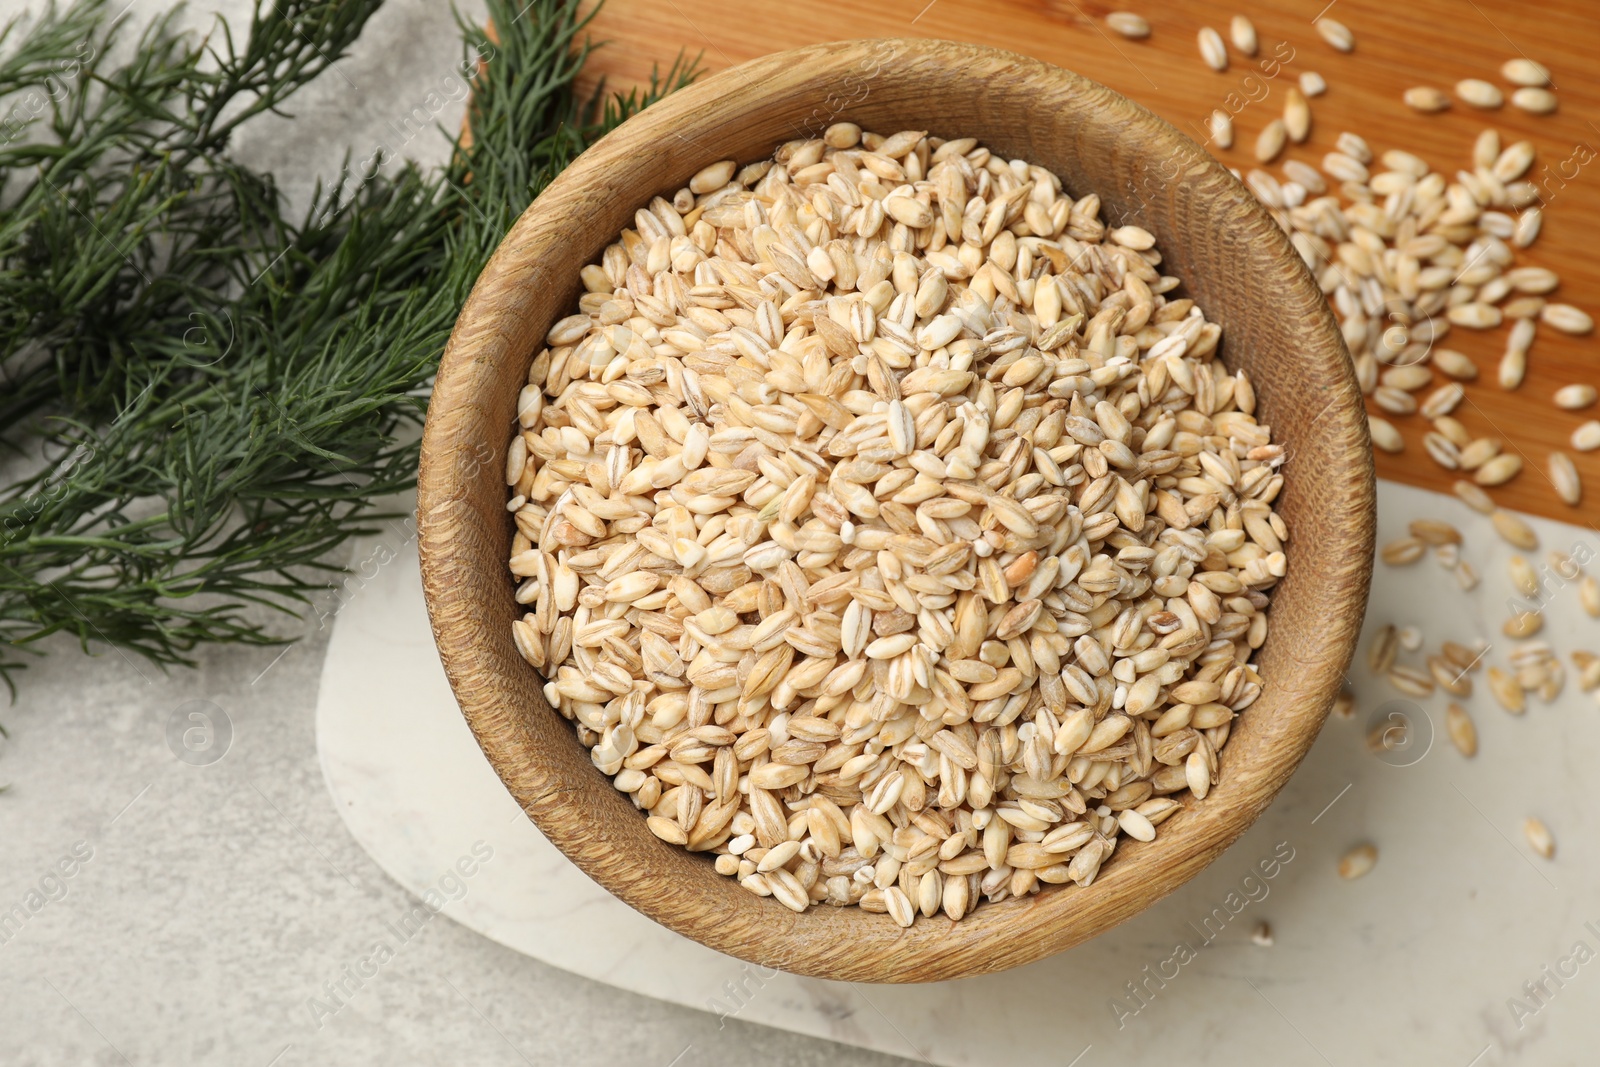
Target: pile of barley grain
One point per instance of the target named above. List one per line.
(887, 529)
(1405, 254)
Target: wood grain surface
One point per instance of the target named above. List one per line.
(1398, 45)
(1212, 232)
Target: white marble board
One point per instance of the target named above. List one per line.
(1449, 953)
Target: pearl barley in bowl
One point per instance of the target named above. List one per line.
(901, 582)
(888, 532)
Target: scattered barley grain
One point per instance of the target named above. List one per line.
(1514, 530)
(1499, 470)
(1479, 93)
(1243, 34)
(1473, 496)
(1358, 862)
(1336, 34)
(1132, 26)
(1426, 98)
(1270, 141)
(1535, 101)
(1524, 71)
(1575, 397)
(1221, 125)
(1539, 837)
(1564, 476)
(1212, 50)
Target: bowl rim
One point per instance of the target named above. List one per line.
(487, 334)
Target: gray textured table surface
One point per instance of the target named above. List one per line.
(217, 901)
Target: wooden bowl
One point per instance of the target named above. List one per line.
(1235, 262)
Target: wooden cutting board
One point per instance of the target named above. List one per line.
(1398, 45)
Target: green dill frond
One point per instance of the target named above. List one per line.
(220, 390)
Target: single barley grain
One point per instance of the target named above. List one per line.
(1486, 147)
(1221, 125)
(1385, 645)
(1475, 315)
(1442, 401)
(1533, 280)
(1409, 377)
(1401, 552)
(1453, 364)
(1479, 93)
(1566, 318)
(1296, 115)
(1564, 476)
(1394, 401)
(1520, 337)
(1588, 667)
(1499, 470)
(1507, 690)
(1466, 576)
(1355, 146)
(842, 135)
(1442, 450)
(1132, 26)
(1358, 862)
(1539, 837)
(1523, 307)
(1305, 175)
(1270, 141)
(1528, 226)
(1575, 397)
(1426, 98)
(1523, 624)
(1344, 168)
(1410, 638)
(899, 906)
(1449, 677)
(1475, 454)
(712, 178)
(1336, 33)
(1514, 162)
(1513, 368)
(1586, 438)
(1262, 935)
(1312, 83)
(1589, 595)
(1463, 732)
(1136, 825)
(1536, 101)
(1473, 496)
(667, 830)
(1434, 532)
(1268, 189)
(1454, 430)
(1461, 655)
(1410, 680)
(1386, 437)
(1523, 71)
(1212, 50)
(1243, 34)
(1523, 576)
(1514, 530)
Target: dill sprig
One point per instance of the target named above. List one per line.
(218, 391)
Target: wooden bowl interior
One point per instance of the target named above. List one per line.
(1235, 263)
